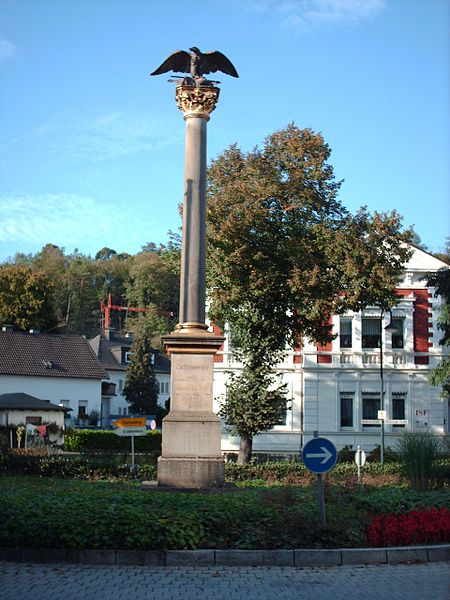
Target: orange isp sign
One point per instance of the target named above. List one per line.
(131, 422)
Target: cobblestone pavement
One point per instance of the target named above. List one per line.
(22, 581)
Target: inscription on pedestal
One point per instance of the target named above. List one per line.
(192, 382)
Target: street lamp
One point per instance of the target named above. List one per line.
(390, 328)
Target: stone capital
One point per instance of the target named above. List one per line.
(197, 101)
(192, 341)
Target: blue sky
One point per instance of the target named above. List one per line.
(92, 148)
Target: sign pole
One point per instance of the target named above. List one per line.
(319, 456)
(321, 494)
(132, 453)
(358, 463)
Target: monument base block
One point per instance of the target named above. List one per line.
(191, 456)
(196, 472)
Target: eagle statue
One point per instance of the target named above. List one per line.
(197, 64)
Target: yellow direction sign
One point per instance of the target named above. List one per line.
(131, 422)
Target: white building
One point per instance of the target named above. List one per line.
(114, 353)
(59, 368)
(335, 388)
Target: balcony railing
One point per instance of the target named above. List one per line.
(363, 359)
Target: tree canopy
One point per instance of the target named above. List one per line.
(285, 254)
(149, 279)
(26, 298)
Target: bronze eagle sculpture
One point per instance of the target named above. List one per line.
(197, 64)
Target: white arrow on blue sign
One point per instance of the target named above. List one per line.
(319, 455)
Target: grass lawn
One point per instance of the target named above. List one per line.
(67, 513)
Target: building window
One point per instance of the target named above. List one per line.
(345, 334)
(33, 420)
(346, 401)
(120, 385)
(370, 407)
(163, 387)
(127, 356)
(82, 409)
(398, 407)
(120, 410)
(371, 332)
(397, 338)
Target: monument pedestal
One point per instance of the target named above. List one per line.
(191, 455)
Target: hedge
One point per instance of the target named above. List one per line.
(75, 467)
(82, 440)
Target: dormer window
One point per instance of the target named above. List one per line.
(127, 356)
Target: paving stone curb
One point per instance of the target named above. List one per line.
(248, 558)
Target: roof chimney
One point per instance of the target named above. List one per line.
(109, 333)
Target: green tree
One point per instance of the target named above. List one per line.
(26, 298)
(285, 255)
(141, 388)
(440, 375)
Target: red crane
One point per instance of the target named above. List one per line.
(107, 307)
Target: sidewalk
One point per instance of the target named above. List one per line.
(24, 581)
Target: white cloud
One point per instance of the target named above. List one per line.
(107, 135)
(63, 219)
(7, 50)
(28, 222)
(309, 14)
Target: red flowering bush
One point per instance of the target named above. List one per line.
(419, 526)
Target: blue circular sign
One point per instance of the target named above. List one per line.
(319, 455)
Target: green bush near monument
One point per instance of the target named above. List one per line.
(85, 440)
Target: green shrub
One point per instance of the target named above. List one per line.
(389, 454)
(419, 453)
(346, 455)
(75, 467)
(84, 440)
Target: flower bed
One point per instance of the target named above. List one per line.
(420, 526)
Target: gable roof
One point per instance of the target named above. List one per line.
(421, 260)
(48, 355)
(108, 352)
(21, 401)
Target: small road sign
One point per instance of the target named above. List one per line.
(130, 431)
(130, 422)
(386, 421)
(360, 457)
(319, 455)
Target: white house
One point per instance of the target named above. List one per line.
(336, 389)
(114, 353)
(61, 369)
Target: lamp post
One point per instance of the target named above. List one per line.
(390, 329)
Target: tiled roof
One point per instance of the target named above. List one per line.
(48, 355)
(21, 401)
(104, 350)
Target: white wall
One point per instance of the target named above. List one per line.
(56, 390)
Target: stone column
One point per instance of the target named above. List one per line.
(191, 454)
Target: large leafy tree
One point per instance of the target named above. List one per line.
(285, 255)
(141, 388)
(26, 298)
